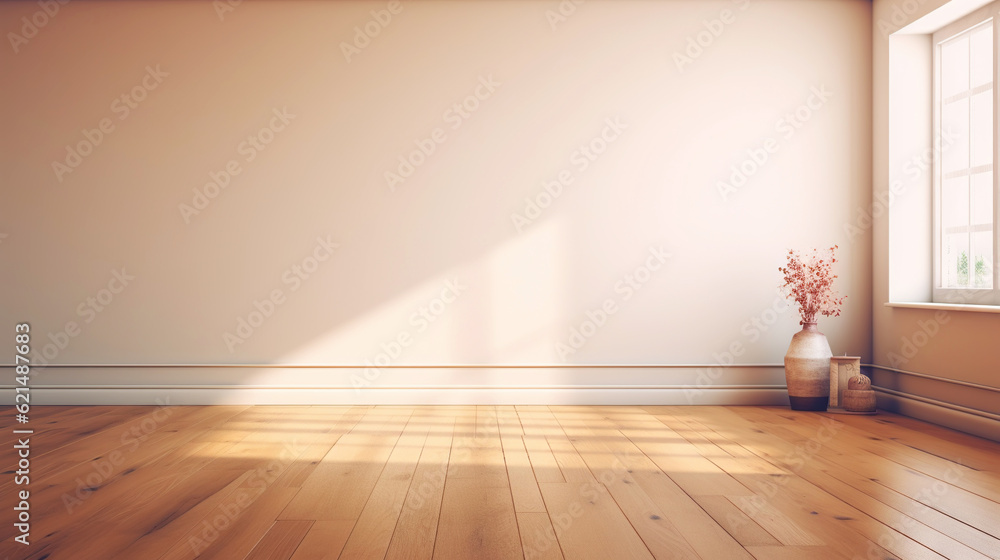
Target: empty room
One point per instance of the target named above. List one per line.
(500, 279)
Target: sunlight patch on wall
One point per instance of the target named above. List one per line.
(500, 308)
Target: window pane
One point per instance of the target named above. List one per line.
(955, 120)
(982, 199)
(955, 204)
(982, 56)
(982, 222)
(955, 260)
(981, 128)
(982, 265)
(955, 66)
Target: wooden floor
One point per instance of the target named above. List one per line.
(481, 482)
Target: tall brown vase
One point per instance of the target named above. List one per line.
(807, 369)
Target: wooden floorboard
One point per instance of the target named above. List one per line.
(481, 482)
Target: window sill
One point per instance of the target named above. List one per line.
(944, 306)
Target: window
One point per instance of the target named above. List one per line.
(965, 179)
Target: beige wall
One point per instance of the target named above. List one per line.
(609, 74)
(959, 347)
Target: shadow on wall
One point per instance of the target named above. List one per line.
(464, 182)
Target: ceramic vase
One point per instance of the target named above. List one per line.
(807, 369)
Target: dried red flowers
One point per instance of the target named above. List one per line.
(809, 281)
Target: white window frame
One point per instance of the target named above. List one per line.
(974, 296)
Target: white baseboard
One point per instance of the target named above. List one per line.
(609, 395)
(761, 385)
(203, 385)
